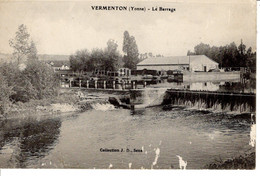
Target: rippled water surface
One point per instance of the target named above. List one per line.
(199, 137)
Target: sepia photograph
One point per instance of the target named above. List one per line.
(128, 84)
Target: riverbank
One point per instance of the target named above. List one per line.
(63, 103)
(246, 161)
(68, 101)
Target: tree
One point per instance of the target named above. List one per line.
(229, 55)
(111, 56)
(98, 59)
(32, 51)
(36, 80)
(40, 80)
(97, 56)
(190, 53)
(22, 45)
(81, 61)
(202, 49)
(130, 49)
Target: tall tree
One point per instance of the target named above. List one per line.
(110, 62)
(130, 49)
(32, 51)
(23, 47)
(35, 80)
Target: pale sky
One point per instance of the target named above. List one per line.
(65, 26)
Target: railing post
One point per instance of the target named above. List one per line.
(114, 85)
(87, 84)
(123, 85)
(133, 85)
(95, 84)
(104, 84)
(144, 84)
(80, 83)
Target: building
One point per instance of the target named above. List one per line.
(59, 65)
(194, 63)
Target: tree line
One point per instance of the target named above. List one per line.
(107, 59)
(229, 55)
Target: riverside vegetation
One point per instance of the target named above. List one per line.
(26, 82)
(32, 90)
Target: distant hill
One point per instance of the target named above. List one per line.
(50, 57)
(43, 57)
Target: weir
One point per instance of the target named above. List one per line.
(211, 100)
(241, 102)
(147, 97)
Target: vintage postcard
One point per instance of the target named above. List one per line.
(128, 84)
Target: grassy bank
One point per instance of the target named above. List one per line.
(246, 161)
(65, 102)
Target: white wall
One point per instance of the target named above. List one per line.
(159, 68)
(196, 65)
(200, 67)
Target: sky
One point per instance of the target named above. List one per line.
(63, 27)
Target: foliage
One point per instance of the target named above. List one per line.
(23, 47)
(102, 59)
(5, 93)
(42, 78)
(229, 55)
(36, 81)
(80, 61)
(246, 161)
(24, 81)
(112, 56)
(130, 49)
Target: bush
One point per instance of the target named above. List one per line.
(36, 81)
(241, 162)
(5, 93)
(42, 78)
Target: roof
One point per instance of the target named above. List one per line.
(58, 63)
(174, 60)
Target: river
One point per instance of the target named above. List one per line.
(79, 140)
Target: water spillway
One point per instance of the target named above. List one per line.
(147, 97)
(241, 102)
(196, 99)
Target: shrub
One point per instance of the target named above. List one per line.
(5, 93)
(36, 81)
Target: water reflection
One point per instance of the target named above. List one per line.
(77, 142)
(234, 86)
(27, 140)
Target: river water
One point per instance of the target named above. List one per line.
(78, 141)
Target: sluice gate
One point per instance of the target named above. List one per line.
(242, 102)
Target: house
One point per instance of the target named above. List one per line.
(194, 63)
(59, 65)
